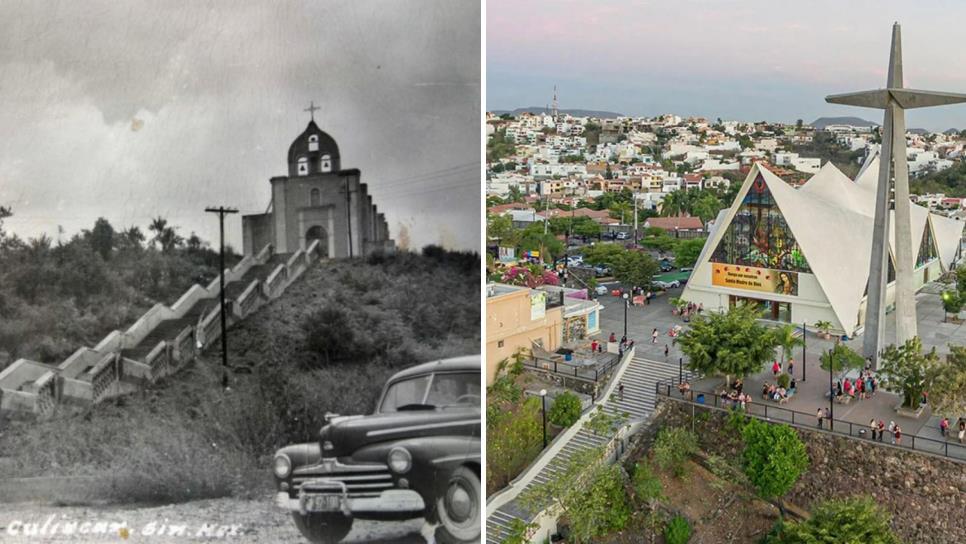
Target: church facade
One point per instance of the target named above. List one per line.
(318, 200)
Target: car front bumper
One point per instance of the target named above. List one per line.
(390, 501)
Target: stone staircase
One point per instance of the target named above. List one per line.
(639, 377)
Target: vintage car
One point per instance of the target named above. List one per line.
(417, 455)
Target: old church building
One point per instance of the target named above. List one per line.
(318, 200)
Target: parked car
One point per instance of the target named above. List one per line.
(667, 284)
(601, 290)
(623, 236)
(666, 266)
(417, 455)
(602, 270)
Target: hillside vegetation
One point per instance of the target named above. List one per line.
(326, 345)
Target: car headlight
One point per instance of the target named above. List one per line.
(282, 466)
(400, 461)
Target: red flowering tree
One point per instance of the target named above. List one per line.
(531, 276)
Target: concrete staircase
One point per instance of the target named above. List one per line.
(639, 377)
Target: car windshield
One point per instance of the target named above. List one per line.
(440, 390)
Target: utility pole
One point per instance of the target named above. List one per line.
(222, 212)
(635, 219)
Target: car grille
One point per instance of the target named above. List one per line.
(369, 483)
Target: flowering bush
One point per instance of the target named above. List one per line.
(531, 276)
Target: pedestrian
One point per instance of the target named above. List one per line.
(791, 366)
(620, 391)
(898, 437)
(654, 336)
(875, 383)
(613, 338)
(776, 368)
(666, 350)
(700, 308)
(819, 415)
(892, 430)
(881, 429)
(944, 427)
(874, 427)
(962, 429)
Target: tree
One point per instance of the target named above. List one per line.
(909, 370)
(727, 343)
(686, 252)
(706, 206)
(672, 449)
(952, 303)
(635, 269)
(514, 436)
(102, 238)
(566, 410)
(588, 228)
(773, 458)
(500, 227)
(606, 254)
(842, 358)
(787, 340)
(158, 226)
(588, 492)
(798, 124)
(515, 194)
(531, 276)
(948, 393)
(856, 520)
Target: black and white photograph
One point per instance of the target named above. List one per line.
(240, 271)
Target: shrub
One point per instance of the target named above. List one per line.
(784, 380)
(566, 410)
(677, 531)
(849, 521)
(604, 507)
(673, 447)
(774, 457)
(647, 486)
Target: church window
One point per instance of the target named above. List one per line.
(759, 236)
(927, 248)
(326, 163)
(303, 168)
(314, 142)
(315, 197)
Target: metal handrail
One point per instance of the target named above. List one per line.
(571, 370)
(795, 418)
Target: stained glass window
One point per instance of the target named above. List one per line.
(927, 248)
(759, 236)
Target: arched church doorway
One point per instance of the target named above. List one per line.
(318, 233)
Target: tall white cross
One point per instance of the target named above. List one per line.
(894, 99)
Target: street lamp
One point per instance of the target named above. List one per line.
(626, 304)
(543, 402)
(831, 391)
(804, 342)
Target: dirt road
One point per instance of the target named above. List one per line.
(218, 520)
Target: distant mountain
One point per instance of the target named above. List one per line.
(575, 113)
(919, 131)
(951, 132)
(823, 122)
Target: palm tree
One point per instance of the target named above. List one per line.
(158, 226)
(515, 195)
(672, 204)
(786, 339)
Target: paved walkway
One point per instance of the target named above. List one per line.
(642, 320)
(638, 376)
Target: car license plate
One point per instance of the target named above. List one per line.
(323, 503)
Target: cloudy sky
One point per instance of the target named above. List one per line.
(746, 60)
(137, 109)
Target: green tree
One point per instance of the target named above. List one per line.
(706, 206)
(606, 254)
(514, 194)
(773, 458)
(948, 393)
(672, 449)
(566, 410)
(952, 303)
(102, 238)
(787, 340)
(686, 252)
(647, 486)
(662, 242)
(841, 358)
(500, 227)
(635, 269)
(909, 370)
(961, 279)
(855, 520)
(588, 491)
(514, 436)
(727, 343)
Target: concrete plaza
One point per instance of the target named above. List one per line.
(810, 395)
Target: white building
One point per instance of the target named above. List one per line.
(803, 255)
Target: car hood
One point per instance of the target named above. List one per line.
(348, 434)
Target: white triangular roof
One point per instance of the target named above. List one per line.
(831, 218)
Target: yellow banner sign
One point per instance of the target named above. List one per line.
(765, 280)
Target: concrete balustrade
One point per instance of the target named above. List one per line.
(91, 375)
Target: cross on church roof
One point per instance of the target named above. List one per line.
(312, 109)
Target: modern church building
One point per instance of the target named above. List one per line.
(803, 254)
